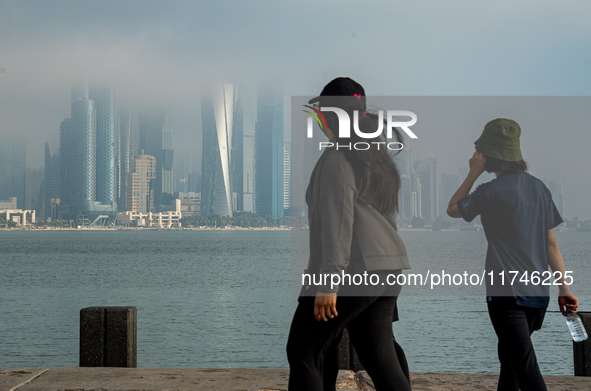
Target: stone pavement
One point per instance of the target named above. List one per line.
(161, 379)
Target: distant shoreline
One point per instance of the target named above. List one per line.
(221, 229)
(149, 229)
(189, 229)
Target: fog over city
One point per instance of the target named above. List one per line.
(166, 54)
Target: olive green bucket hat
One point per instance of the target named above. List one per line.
(500, 139)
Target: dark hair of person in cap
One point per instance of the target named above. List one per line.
(376, 168)
(500, 145)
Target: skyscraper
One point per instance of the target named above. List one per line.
(67, 166)
(51, 183)
(304, 155)
(426, 173)
(180, 175)
(287, 176)
(403, 159)
(269, 154)
(13, 160)
(139, 184)
(194, 179)
(33, 179)
(243, 149)
(82, 155)
(415, 202)
(156, 140)
(107, 141)
(556, 188)
(89, 155)
(218, 111)
(124, 155)
(79, 90)
(404, 200)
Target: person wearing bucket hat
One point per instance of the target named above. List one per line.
(518, 217)
(352, 202)
(500, 140)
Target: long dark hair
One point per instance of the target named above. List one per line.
(504, 167)
(375, 167)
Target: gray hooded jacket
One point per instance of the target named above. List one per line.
(346, 233)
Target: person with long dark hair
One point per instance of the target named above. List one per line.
(352, 203)
(518, 217)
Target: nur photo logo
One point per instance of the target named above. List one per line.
(393, 120)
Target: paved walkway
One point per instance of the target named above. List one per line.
(161, 379)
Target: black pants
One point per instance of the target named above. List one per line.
(331, 365)
(514, 325)
(369, 322)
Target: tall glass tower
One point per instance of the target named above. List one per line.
(13, 160)
(218, 112)
(51, 182)
(426, 188)
(243, 150)
(66, 153)
(83, 153)
(556, 188)
(89, 153)
(107, 141)
(249, 120)
(33, 179)
(269, 155)
(124, 155)
(287, 176)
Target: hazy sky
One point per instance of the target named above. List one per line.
(167, 51)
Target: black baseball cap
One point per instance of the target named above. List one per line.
(341, 86)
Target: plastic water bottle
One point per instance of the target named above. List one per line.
(575, 325)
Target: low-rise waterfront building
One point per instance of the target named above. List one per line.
(9, 212)
(170, 219)
(190, 203)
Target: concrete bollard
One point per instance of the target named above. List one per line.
(582, 350)
(108, 337)
(348, 358)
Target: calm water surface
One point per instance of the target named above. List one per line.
(223, 298)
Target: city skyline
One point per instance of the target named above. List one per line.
(95, 172)
(171, 52)
(423, 185)
(132, 135)
(415, 198)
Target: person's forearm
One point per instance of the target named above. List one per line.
(464, 189)
(462, 192)
(557, 265)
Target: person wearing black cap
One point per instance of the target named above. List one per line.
(519, 217)
(352, 202)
